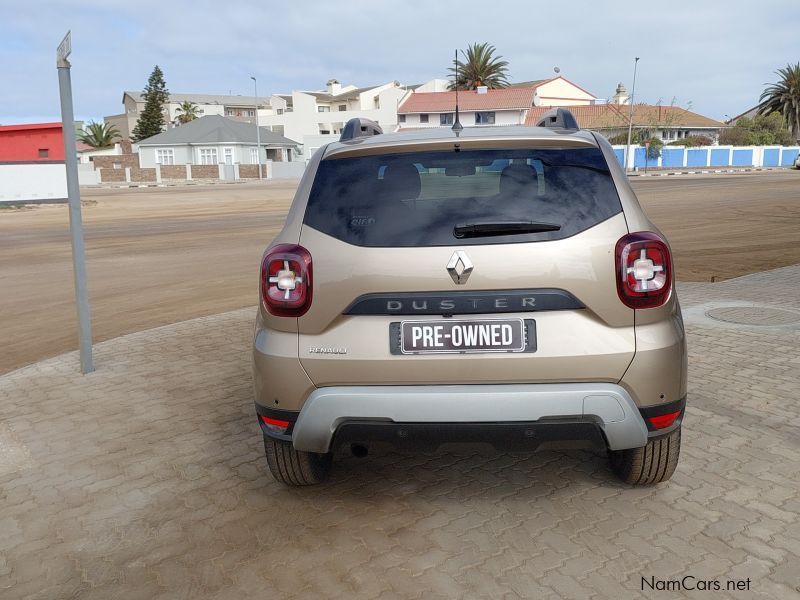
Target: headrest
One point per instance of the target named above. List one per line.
(514, 177)
(401, 182)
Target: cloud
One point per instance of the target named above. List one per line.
(716, 55)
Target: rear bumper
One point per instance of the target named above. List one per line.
(606, 406)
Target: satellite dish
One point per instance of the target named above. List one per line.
(556, 69)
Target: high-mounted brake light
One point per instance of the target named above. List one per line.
(644, 270)
(286, 282)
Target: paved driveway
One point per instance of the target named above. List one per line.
(146, 479)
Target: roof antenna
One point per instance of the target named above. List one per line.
(457, 126)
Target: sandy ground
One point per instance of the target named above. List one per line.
(161, 255)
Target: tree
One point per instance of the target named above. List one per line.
(784, 98)
(156, 96)
(653, 145)
(186, 112)
(761, 130)
(480, 67)
(99, 135)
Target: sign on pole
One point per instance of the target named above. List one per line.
(74, 196)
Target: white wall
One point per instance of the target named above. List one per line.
(560, 92)
(467, 118)
(20, 182)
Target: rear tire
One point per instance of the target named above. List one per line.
(650, 464)
(293, 467)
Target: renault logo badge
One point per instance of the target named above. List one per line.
(459, 267)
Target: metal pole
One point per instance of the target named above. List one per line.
(630, 118)
(258, 130)
(74, 196)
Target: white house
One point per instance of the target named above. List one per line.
(317, 117)
(430, 105)
(507, 106)
(213, 140)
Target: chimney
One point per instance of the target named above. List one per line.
(481, 89)
(334, 87)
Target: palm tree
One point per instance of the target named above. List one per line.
(99, 135)
(186, 112)
(784, 98)
(480, 67)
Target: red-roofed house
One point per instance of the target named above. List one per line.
(507, 106)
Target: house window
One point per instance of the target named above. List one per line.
(253, 156)
(280, 111)
(208, 156)
(323, 109)
(423, 118)
(484, 118)
(165, 156)
(342, 107)
(401, 118)
(324, 131)
(44, 152)
(446, 119)
(227, 153)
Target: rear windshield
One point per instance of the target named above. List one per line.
(425, 198)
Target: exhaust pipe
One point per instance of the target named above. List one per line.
(359, 450)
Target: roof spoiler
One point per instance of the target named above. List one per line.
(559, 118)
(356, 128)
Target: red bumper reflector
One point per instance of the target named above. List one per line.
(275, 422)
(661, 421)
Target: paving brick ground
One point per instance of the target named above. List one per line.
(146, 479)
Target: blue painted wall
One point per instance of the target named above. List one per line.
(672, 157)
(696, 158)
(788, 155)
(720, 157)
(639, 157)
(772, 157)
(620, 154)
(742, 158)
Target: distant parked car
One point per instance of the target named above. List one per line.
(797, 162)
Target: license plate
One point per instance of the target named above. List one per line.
(448, 335)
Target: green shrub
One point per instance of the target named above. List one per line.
(692, 141)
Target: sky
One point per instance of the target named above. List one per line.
(712, 57)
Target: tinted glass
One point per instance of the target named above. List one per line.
(417, 199)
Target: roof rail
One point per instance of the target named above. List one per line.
(356, 128)
(559, 118)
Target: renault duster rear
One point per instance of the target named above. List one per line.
(502, 285)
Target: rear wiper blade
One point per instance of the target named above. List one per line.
(489, 228)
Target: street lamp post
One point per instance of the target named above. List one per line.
(258, 130)
(630, 117)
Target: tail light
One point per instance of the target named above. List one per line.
(644, 270)
(664, 421)
(286, 282)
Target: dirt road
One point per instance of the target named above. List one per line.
(160, 255)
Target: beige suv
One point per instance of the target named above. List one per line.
(496, 284)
